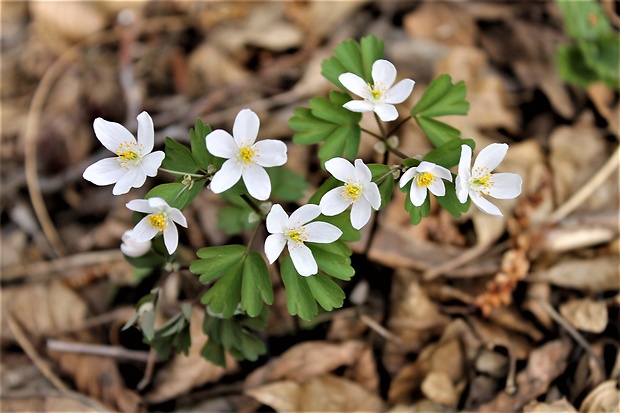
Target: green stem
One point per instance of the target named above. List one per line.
(380, 123)
(254, 232)
(181, 173)
(252, 204)
(389, 148)
(401, 123)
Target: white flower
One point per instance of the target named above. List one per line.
(246, 159)
(426, 177)
(358, 191)
(132, 247)
(381, 95)
(480, 180)
(134, 160)
(161, 218)
(295, 232)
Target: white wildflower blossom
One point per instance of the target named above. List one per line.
(358, 191)
(131, 247)
(295, 231)
(246, 158)
(134, 160)
(426, 177)
(381, 96)
(479, 180)
(161, 218)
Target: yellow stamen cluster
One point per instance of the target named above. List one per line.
(158, 221)
(128, 154)
(351, 192)
(424, 179)
(481, 183)
(246, 155)
(298, 235)
(376, 91)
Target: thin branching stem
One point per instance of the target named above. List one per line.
(398, 125)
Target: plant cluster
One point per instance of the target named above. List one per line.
(251, 176)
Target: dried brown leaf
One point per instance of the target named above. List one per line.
(305, 361)
(558, 406)
(444, 23)
(604, 398)
(322, 393)
(438, 387)
(592, 275)
(586, 314)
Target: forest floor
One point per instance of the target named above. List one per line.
(477, 313)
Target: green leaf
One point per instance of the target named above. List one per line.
(572, 67)
(178, 157)
(214, 352)
(438, 132)
(350, 56)
(372, 50)
(234, 218)
(327, 121)
(286, 185)
(442, 98)
(256, 287)
(198, 143)
(215, 261)
(149, 260)
(603, 56)
(450, 202)
(299, 298)
(326, 292)
(448, 154)
(584, 19)
(330, 261)
(175, 194)
(223, 297)
(251, 348)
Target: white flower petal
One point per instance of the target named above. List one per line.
(442, 173)
(372, 194)
(152, 162)
(400, 92)
(274, 244)
(104, 172)
(135, 177)
(140, 205)
(146, 132)
(303, 214)
(158, 204)
(132, 247)
(341, 169)
(362, 172)
(171, 238)
(226, 177)
(425, 166)
(221, 144)
(144, 231)
(484, 205)
(270, 152)
(360, 213)
(417, 195)
(177, 216)
(465, 162)
(354, 84)
(505, 185)
(407, 176)
(277, 219)
(462, 188)
(437, 187)
(383, 73)
(256, 181)
(245, 128)
(386, 112)
(303, 260)
(333, 203)
(322, 232)
(111, 134)
(491, 156)
(359, 106)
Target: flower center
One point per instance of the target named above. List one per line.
(376, 92)
(158, 221)
(128, 155)
(424, 179)
(246, 155)
(351, 192)
(481, 183)
(297, 235)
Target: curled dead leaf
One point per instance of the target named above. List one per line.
(604, 398)
(558, 406)
(592, 275)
